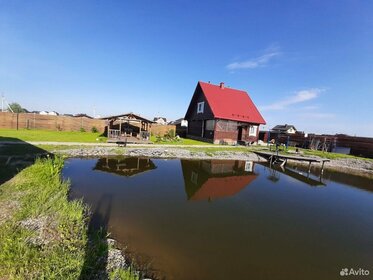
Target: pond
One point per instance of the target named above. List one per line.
(214, 219)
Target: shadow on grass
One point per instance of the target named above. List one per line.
(97, 247)
(16, 155)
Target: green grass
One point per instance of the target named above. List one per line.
(213, 150)
(38, 194)
(328, 155)
(48, 135)
(181, 141)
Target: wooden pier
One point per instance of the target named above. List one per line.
(276, 158)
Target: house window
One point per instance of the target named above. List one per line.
(252, 130)
(200, 107)
(210, 125)
(249, 166)
(194, 178)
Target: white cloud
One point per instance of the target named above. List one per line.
(298, 97)
(256, 62)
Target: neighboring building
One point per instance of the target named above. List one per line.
(82, 115)
(286, 128)
(51, 113)
(222, 115)
(160, 120)
(181, 126)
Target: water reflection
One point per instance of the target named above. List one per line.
(264, 223)
(129, 166)
(297, 174)
(212, 179)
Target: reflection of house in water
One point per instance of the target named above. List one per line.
(124, 166)
(211, 179)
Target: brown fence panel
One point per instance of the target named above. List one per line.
(158, 129)
(46, 122)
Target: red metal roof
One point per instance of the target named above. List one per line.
(231, 104)
(222, 187)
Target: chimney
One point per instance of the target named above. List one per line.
(222, 85)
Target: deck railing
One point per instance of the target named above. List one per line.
(114, 133)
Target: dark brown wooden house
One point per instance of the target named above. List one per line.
(222, 115)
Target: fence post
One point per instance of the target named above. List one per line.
(17, 120)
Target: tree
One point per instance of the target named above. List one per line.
(17, 108)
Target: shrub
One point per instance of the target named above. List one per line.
(94, 129)
(171, 133)
(82, 129)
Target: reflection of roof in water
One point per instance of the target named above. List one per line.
(219, 187)
(125, 166)
(211, 179)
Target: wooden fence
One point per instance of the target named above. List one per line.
(159, 129)
(359, 146)
(46, 122)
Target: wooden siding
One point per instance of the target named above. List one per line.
(195, 128)
(192, 114)
(227, 132)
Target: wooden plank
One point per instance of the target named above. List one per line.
(299, 158)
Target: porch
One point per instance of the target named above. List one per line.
(128, 128)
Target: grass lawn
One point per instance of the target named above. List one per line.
(328, 155)
(182, 141)
(48, 135)
(45, 236)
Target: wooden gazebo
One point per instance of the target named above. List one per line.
(128, 128)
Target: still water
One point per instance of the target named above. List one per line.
(213, 219)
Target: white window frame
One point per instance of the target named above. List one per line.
(200, 107)
(253, 130)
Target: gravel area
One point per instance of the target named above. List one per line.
(352, 165)
(158, 153)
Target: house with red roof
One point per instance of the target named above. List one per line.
(222, 115)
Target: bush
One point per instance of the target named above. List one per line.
(82, 129)
(171, 133)
(94, 129)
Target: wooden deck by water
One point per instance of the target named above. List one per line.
(274, 158)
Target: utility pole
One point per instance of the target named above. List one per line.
(4, 102)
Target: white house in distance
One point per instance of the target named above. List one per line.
(286, 128)
(46, 113)
(160, 120)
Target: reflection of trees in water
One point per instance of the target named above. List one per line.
(211, 179)
(122, 166)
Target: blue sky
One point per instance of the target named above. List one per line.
(307, 63)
